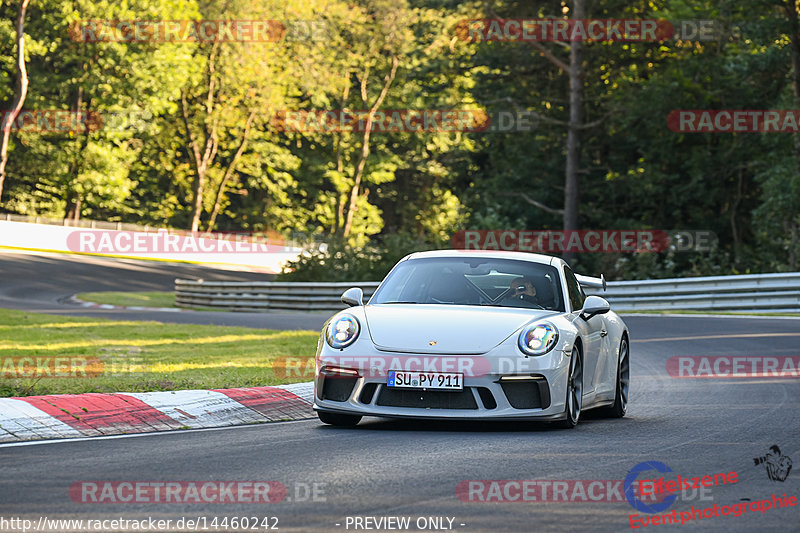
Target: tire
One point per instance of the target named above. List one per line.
(620, 406)
(574, 399)
(336, 419)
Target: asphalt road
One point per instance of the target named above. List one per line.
(42, 281)
(410, 469)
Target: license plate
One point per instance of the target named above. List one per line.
(426, 380)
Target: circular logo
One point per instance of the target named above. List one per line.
(630, 481)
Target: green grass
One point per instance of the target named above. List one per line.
(131, 299)
(139, 299)
(126, 356)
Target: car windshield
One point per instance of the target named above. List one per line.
(472, 281)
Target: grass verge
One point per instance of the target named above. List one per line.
(140, 299)
(130, 299)
(45, 354)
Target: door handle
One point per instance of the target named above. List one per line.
(603, 333)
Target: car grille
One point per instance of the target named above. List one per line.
(427, 399)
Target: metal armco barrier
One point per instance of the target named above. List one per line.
(759, 292)
(756, 292)
(266, 295)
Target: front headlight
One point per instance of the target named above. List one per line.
(538, 338)
(342, 332)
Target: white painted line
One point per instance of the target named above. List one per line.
(199, 408)
(135, 435)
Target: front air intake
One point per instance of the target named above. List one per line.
(427, 399)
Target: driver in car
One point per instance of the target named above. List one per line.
(523, 291)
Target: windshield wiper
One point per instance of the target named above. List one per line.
(399, 302)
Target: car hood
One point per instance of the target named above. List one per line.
(455, 329)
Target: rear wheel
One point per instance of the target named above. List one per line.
(574, 400)
(336, 419)
(620, 406)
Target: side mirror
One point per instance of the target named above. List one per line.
(594, 305)
(354, 297)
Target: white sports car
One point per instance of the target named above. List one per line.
(474, 335)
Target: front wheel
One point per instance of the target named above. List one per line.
(574, 400)
(336, 419)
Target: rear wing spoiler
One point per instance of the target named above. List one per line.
(592, 283)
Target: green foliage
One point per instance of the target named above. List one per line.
(417, 189)
(339, 261)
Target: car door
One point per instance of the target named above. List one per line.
(593, 331)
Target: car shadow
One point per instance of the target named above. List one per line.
(463, 426)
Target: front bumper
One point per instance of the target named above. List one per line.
(536, 393)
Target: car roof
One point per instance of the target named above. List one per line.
(495, 254)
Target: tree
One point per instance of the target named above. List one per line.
(10, 117)
(112, 90)
(242, 87)
(571, 183)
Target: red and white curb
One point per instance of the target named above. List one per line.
(89, 415)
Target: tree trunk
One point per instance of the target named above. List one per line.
(571, 185)
(362, 162)
(230, 171)
(341, 198)
(74, 200)
(737, 255)
(10, 117)
(794, 37)
(202, 161)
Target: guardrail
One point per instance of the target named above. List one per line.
(756, 292)
(759, 292)
(80, 223)
(265, 295)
